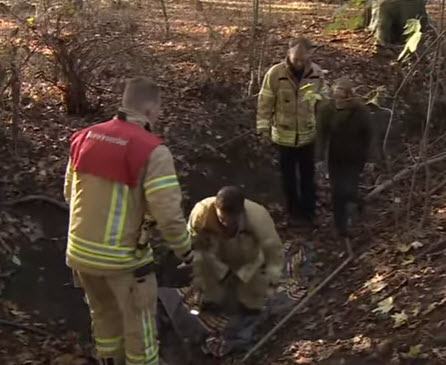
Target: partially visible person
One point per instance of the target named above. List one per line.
(286, 114)
(119, 172)
(238, 255)
(346, 139)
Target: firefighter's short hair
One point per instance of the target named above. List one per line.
(140, 94)
(300, 41)
(231, 200)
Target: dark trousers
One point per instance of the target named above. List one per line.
(344, 181)
(297, 169)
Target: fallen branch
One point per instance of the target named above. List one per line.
(299, 306)
(438, 187)
(403, 173)
(7, 274)
(5, 247)
(32, 329)
(33, 198)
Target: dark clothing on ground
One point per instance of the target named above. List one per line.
(297, 169)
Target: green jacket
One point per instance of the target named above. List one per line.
(286, 107)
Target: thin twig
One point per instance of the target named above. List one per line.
(438, 187)
(400, 88)
(298, 307)
(434, 80)
(28, 328)
(403, 173)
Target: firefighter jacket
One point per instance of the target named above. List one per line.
(257, 246)
(118, 173)
(286, 106)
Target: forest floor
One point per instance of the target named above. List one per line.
(385, 308)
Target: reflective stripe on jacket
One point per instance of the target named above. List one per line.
(106, 216)
(286, 107)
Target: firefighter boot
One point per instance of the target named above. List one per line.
(111, 361)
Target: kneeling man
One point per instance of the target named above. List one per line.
(238, 255)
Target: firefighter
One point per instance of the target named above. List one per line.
(237, 251)
(117, 173)
(286, 114)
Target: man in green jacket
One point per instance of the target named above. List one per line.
(286, 113)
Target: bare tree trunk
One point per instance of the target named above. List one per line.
(76, 96)
(15, 91)
(253, 55)
(264, 46)
(388, 18)
(198, 5)
(433, 94)
(166, 18)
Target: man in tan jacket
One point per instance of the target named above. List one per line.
(237, 251)
(286, 114)
(119, 172)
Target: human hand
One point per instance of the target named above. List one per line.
(187, 259)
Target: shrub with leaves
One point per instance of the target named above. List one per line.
(349, 16)
(76, 46)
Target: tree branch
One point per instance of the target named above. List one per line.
(33, 198)
(403, 173)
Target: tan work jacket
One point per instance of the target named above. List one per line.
(256, 245)
(286, 107)
(106, 217)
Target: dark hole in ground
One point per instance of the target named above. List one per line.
(43, 285)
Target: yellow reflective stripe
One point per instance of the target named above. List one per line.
(106, 350)
(102, 340)
(153, 350)
(101, 247)
(111, 213)
(263, 124)
(159, 183)
(150, 191)
(107, 346)
(159, 179)
(100, 255)
(96, 264)
(138, 361)
(145, 334)
(123, 215)
(180, 241)
(100, 262)
(283, 136)
(135, 357)
(267, 93)
(117, 215)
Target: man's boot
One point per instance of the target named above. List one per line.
(111, 361)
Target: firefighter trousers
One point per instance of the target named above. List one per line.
(122, 310)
